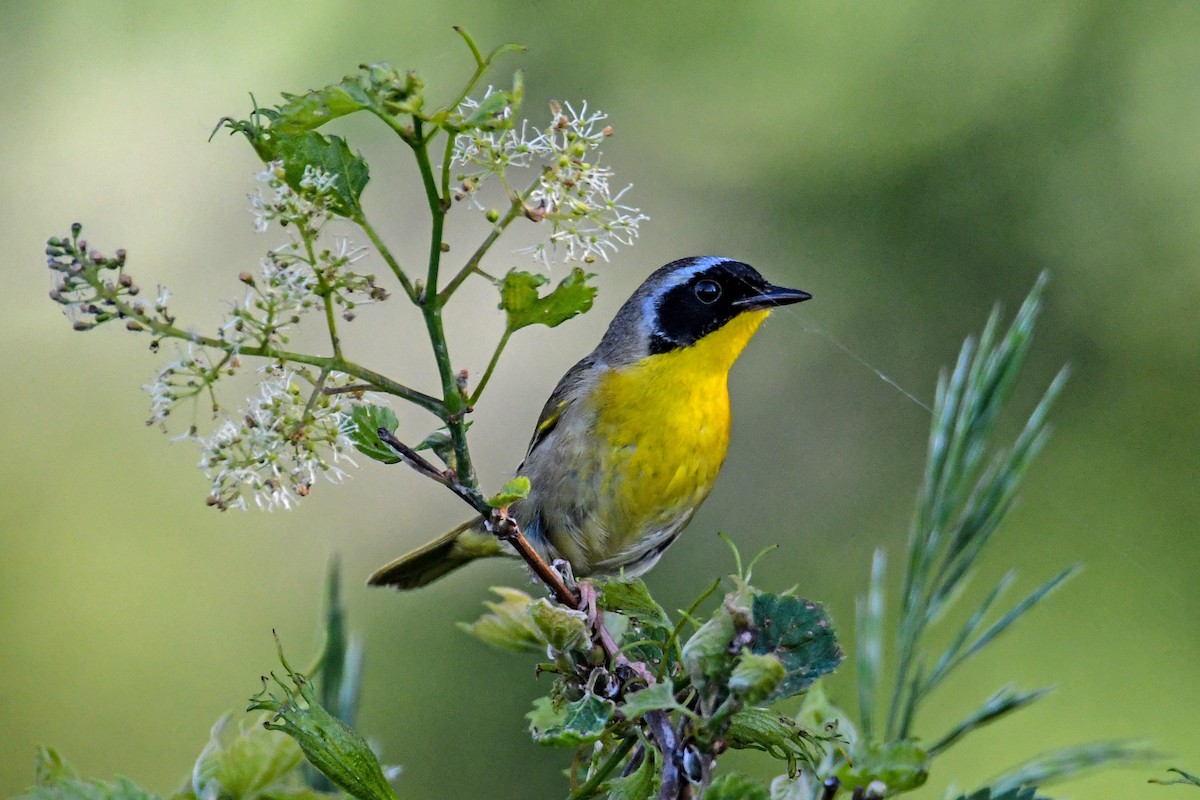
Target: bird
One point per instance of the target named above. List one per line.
(632, 438)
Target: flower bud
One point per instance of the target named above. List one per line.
(329, 745)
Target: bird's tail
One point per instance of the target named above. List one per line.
(443, 555)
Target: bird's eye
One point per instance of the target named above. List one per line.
(707, 292)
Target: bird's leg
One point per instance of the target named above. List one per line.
(595, 618)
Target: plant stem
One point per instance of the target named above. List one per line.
(487, 373)
(514, 210)
(325, 292)
(506, 529)
(378, 382)
(318, 386)
(431, 308)
(589, 787)
(387, 256)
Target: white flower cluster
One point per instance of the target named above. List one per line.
(572, 192)
(189, 375)
(285, 289)
(275, 448)
(308, 208)
(296, 276)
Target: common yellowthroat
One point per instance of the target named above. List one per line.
(631, 440)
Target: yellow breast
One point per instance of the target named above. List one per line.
(663, 425)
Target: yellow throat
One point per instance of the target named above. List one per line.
(663, 423)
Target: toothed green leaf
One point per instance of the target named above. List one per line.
(632, 599)
(799, 634)
(659, 697)
(564, 629)
(735, 786)
(511, 492)
(509, 625)
(362, 426)
(520, 301)
(569, 724)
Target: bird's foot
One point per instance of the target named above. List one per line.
(602, 636)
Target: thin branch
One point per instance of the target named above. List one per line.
(665, 740)
(353, 388)
(318, 385)
(325, 291)
(388, 258)
(515, 209)
(421, 465)
(505, 528)
(453, 398)
(487, 373)
(499, 523)
(589, 787)
(378, 382)
(482, 64)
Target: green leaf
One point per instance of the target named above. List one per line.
(1185, 777)
(777, 735)
(244, 764)
(49, 766)
(490, 113)
(818, 713)
(755, 677)
(735, 786)
(362, 426)
(382, 89)
(341, 754)
(639, 642)
(706, 653)
(511, 492)
(1070, 762)
(900, 765)
(328, 153)
(298, 150)
(564, 629)
(520, 301)
(969, 484)
(1002, 703)
(641, 784)
(442, 444)
(869, 632)
(799, 634)
(64, 788)
(1028, 793)
(509, 626)
(338, 674)
(630, 598)
(569, 724)
(659, 697)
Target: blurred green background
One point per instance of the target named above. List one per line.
(907, 163)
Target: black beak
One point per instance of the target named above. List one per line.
(772, 296)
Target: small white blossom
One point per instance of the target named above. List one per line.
(186, 377)
(277, 200)
(346, 253)
(318, 180)
(273, 451)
